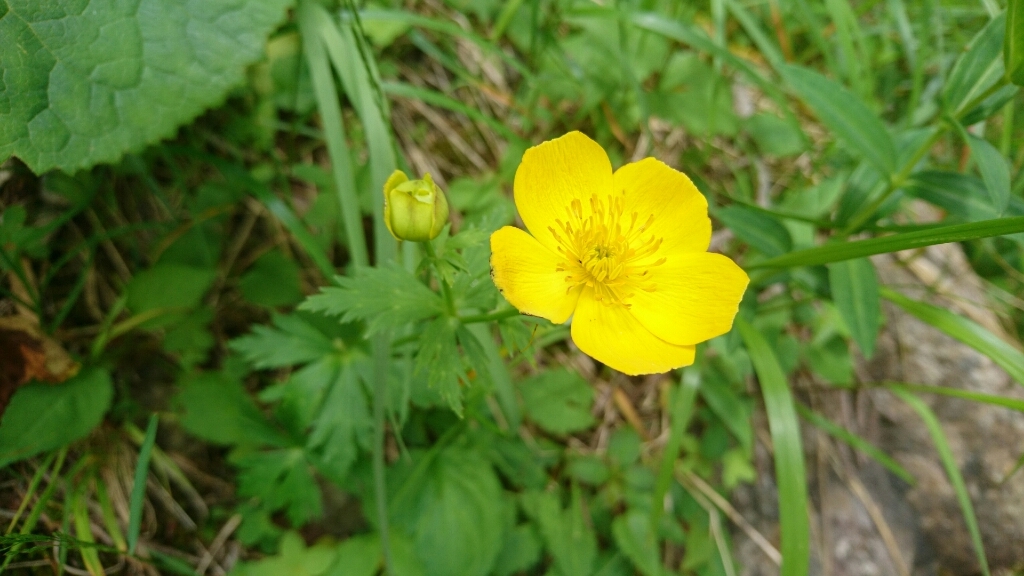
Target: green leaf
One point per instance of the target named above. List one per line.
(168, 286)
(789, 456)
(343, 425)
(855, 441)
(272, 281)
(520, 552)
(385, 297)
(977, 69)
(995, 171)
(440, 363)
(217, 409)
(845, 115)
(558, 401)
(291, 341)
(964, 196)
(632, 534)
(761, 231)
(280, 479)
(568, 536)
(357, 556)
(84, 86)
(456, 518)
(855, 292)
(964, 330)
(1013, 44)
(952, 470)
(904, 241)
(294, 559)
(44, 417)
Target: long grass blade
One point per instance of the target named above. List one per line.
(357, 79)
(991, 399)
(964, 330)
(310, 24)
(682, 411)
(139, 484)
(952, 470)
(855, 441)
(903, 241)
(789, 455)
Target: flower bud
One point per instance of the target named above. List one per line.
(414, 210)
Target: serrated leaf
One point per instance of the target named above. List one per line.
(44, 417)
(995, 172)
(761, 231)
(217, 409)
(855, 292)
(344, 425)
(440, 363)
(558, 401)
(84, 86)
(282, 480)
(1013, 44)
(845, 115)
(977, 69)
(291, 341)
(384, 297)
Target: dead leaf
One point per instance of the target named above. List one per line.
(26, 354)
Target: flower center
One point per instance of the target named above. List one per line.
(607, 250)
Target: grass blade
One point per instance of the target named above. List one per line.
(789, 455)
(435, 98)
(1013, 44)
(991, 399)
(855, 293)
(949, 463)
(845, 115)
(139, 485)
(964, 330)
(310, 23)
(904, 241)
(343, 48)
(855, 441)
(682, 410)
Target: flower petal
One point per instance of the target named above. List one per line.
(680, 210)
(552, 175)
(695, 297)
(611, 335)
(526, 273)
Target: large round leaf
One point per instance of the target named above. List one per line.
(84, 81)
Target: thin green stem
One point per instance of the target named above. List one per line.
(899, 179)
(446, 290)
(502, 314)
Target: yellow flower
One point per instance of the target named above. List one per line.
(623, 253)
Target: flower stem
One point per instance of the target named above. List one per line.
(507, 312)
(446, 290)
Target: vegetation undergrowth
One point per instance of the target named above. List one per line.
(215, 357)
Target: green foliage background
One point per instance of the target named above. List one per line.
(364, 407)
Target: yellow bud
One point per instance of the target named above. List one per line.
(414, 210)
